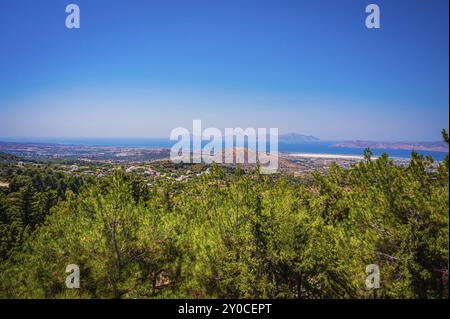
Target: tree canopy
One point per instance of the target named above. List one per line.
(242, 235)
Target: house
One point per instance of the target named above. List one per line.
(130, 169)
(150, 172)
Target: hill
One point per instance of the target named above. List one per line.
(295, 138)
(418, 146)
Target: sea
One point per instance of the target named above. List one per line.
(322, 147)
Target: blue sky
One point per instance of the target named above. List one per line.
(141, 68)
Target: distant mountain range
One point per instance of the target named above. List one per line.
(419, 146)
(295, 138)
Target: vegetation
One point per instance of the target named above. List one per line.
(32, 191)
(223, 235)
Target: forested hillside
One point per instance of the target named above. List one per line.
(241, 235)
(32, 191)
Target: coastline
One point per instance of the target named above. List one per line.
(327, 156)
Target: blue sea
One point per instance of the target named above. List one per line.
(317, 147)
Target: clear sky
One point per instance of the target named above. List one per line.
(141, 68)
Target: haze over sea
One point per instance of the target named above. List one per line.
(322, 147)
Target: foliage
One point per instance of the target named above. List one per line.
(232, 235)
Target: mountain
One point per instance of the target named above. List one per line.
(418, 146)
(295, 138)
